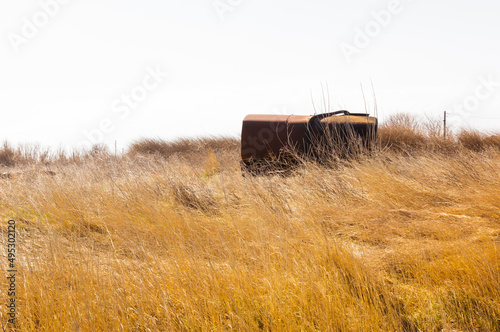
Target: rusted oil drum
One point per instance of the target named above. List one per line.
(283, 138)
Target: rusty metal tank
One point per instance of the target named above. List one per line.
(282, 138)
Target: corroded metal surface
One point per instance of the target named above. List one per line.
(281, 137)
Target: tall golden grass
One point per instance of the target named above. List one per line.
(171, 237)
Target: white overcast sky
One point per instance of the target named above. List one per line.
(63, 74)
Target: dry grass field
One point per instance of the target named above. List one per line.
(172, 237)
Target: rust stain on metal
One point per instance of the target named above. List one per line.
(280, 137)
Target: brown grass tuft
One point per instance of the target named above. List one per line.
(182, 146)
(7, 156)
(471, 139)
(492, 141)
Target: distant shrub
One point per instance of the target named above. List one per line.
(402, 132)
(493, 141)
(183, 146)
(471, 140)
(7, 156)
(405, 133)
